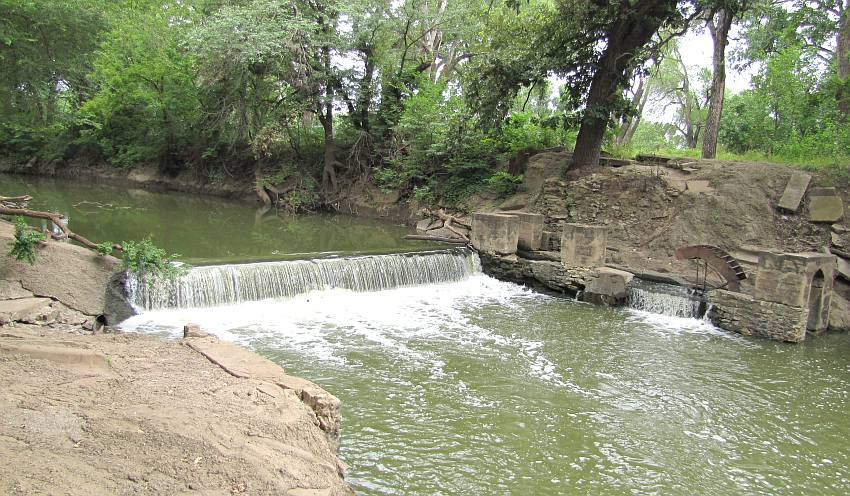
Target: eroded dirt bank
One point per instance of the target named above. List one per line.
(87, 414)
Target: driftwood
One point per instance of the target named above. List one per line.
(448, 220)
(442, 239)
(57, 220)
(14, 201)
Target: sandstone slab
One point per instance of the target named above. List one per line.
(794, 191)
(699, 187)
(237, 361)
(81, 282)
(24, 308)
(826, 208)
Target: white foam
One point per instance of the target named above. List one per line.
(386, 319)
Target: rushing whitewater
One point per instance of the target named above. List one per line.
(232, 284)
(664, 299)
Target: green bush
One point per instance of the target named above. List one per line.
(25, 242)
(503, 183)
(147, 259)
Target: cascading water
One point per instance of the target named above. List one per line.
(665, 299)
(230, 284)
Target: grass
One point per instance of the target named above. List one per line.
(814, 163)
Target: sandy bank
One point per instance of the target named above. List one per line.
(129, 414)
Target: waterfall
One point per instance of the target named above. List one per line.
(230, 284)
(665, 299)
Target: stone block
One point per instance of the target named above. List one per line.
(495, 233)
(823, 208)
(794, 191)
(786, 277)
(608, 287)
(583, 245)
(530, 230)
(699, 187)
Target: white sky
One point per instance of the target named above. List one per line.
(696, 49)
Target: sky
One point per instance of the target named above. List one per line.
(696, 49)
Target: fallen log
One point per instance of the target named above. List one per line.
(441, 239)
(57, 220)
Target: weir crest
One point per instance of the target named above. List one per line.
(665, 299)
(216, 285)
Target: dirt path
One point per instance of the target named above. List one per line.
(130, 414)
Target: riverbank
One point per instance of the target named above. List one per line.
(123, 413)
(88, 414)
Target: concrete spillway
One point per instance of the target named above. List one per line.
(231, 284)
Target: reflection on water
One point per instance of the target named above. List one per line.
(204, 229)
(483, 387)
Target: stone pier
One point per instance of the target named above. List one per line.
(495, 233)
(530, 230)
(790, 296)
(583, 245)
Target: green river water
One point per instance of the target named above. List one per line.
(481, 387)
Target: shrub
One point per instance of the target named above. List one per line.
(503, 183)
(145, 258)
(25, 242)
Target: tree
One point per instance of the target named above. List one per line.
(626, 29)
(596, 47)
(675, 85)
(631, 118)
(719, 23)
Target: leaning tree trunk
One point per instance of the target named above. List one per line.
(719, 27)
(842, 53)
(636, 24)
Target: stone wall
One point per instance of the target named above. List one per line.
(746, 315)
(545, 275)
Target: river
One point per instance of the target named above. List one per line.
(476, 386)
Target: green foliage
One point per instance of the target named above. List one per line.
(523, 130)
(25, 242)
(146, 259)
(504, 184)
(104, 249)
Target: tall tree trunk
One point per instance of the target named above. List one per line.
(603, 89)
(329, 182)
(718, 26)
(326, 117)
(842, 52)
(636, 24)
(631, 123)
(362, 119)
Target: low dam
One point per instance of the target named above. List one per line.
(453, 382)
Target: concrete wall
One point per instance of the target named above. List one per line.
(583, 245)
(530, 230)
(495, 233)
